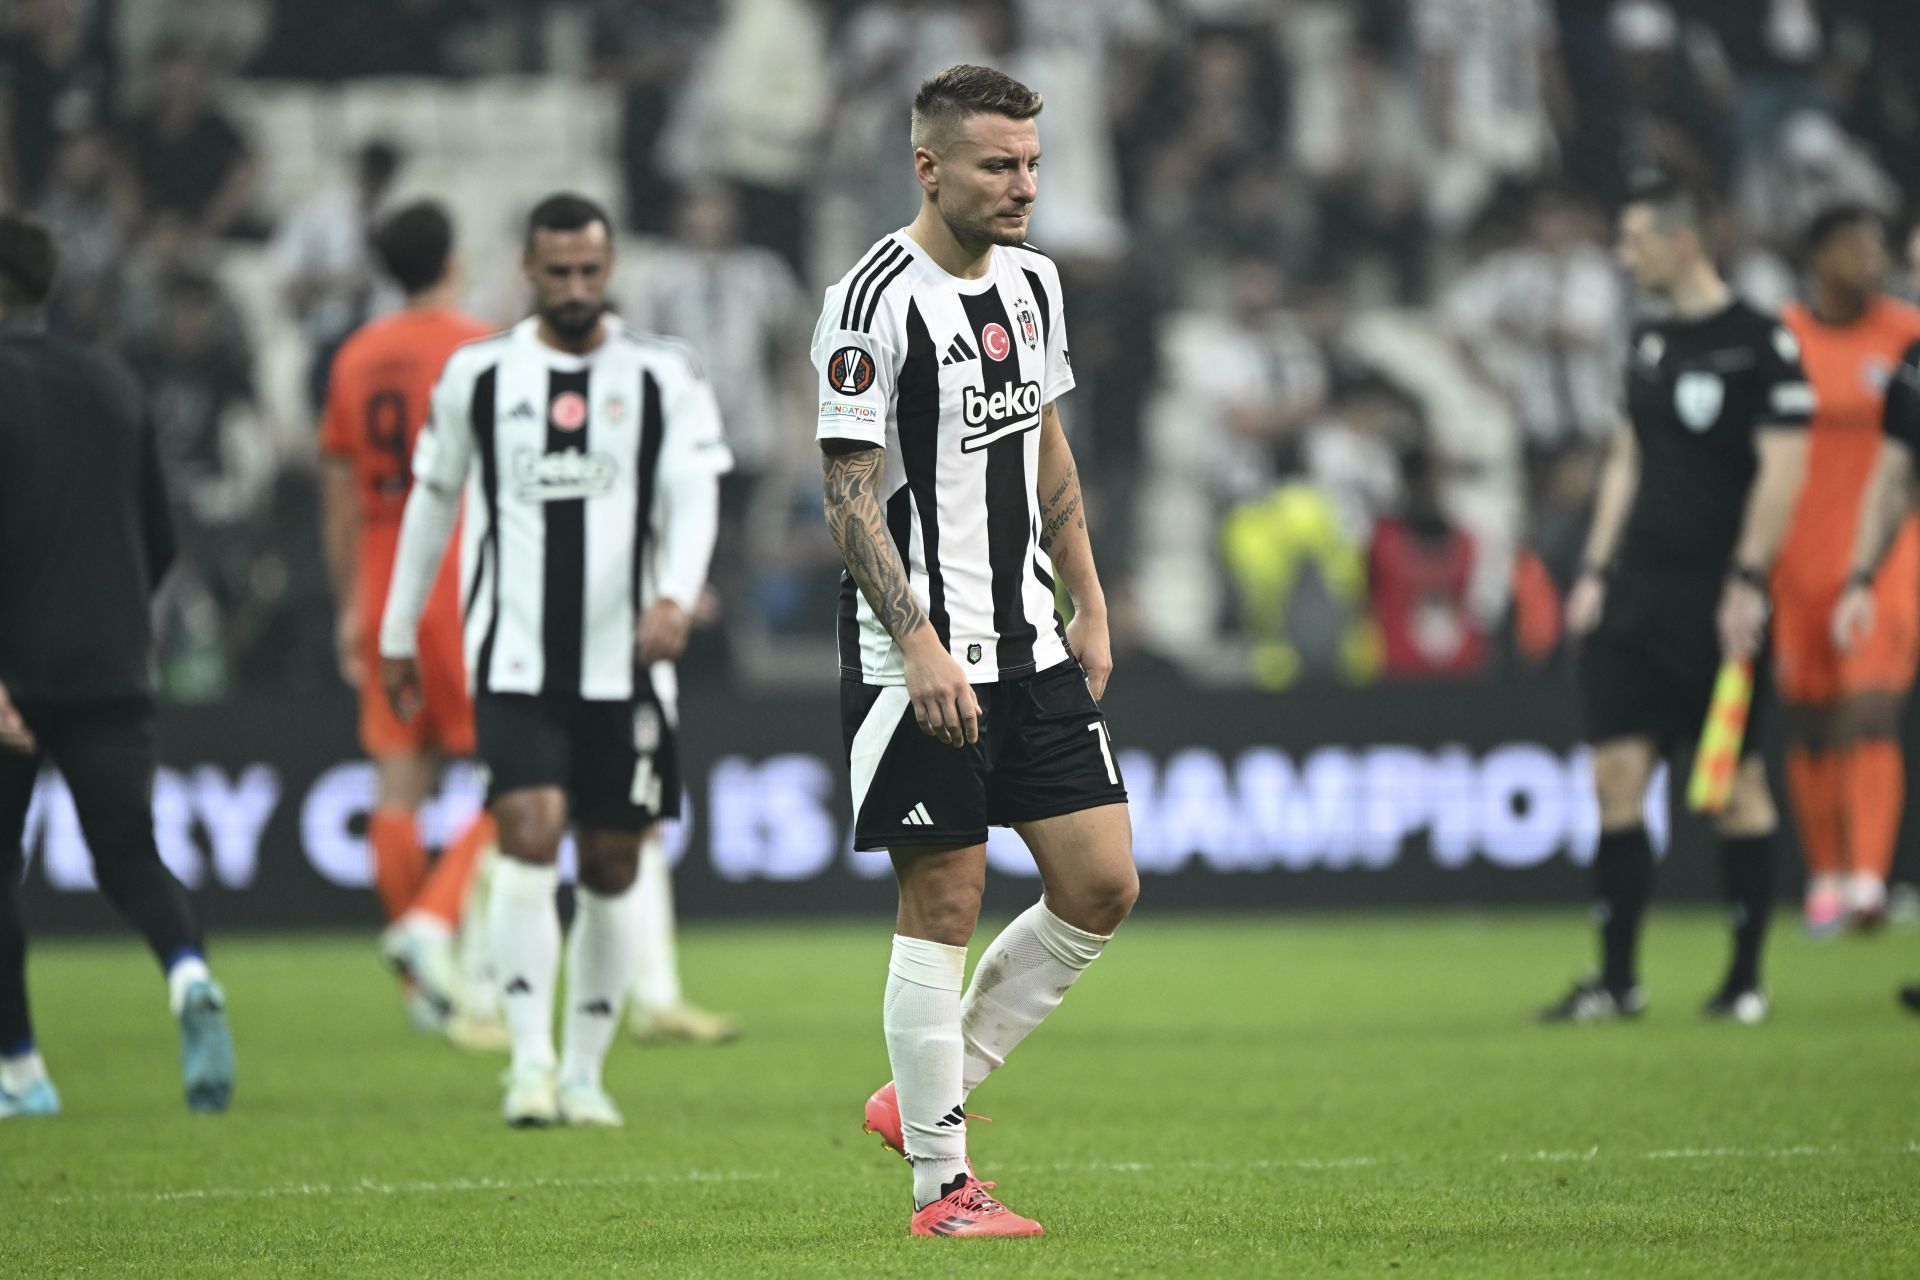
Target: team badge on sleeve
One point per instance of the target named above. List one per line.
(850, 371)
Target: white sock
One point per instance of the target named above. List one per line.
(656, 971)
(599, 969)
(525, 926)
(183, 973)
(479, 993)
(1019, 981)
(922, 1021)
(1865, 891)
(426, 924)
(21, 1072)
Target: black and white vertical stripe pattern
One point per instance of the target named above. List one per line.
(963, 370)
(569, 457)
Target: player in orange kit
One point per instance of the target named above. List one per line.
(377, 399)
(1844, 768)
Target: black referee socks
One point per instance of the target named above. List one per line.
(1623, 881)
(1746, 877)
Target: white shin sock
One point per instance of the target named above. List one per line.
(599, 968)
(922, 1021)
(1019, 981)
(656, 970)
(525, 927)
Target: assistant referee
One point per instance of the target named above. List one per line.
(84, 538)
(1701, 481)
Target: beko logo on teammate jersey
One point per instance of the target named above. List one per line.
(556, 477)
(1008, 411)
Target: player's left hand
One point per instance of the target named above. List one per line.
(346, 648)
(1742, 618)
(400, 677)
(1087, 640)
(14, 734)
(1853, 618)
(662, 634)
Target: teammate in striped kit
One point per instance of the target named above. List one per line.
(951, 491)
(591, 459)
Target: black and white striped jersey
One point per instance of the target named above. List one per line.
(571, 464)
(949, 377)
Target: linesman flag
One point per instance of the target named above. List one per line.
(1718, 758)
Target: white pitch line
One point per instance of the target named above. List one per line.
(380, 1187)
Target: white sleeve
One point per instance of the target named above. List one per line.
(857, 372)
(695, 443)
(686, 512)
(686, 520)
(1059, 373)
(440, 461)
(445, 447)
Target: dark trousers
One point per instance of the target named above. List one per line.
(105, 752)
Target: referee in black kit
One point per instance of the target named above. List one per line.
(84, 538)
(1694, 502)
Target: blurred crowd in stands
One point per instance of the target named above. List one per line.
(1345, 317)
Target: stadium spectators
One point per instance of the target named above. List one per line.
(56, 79)
(1420, 570)
(1345, 158)
(753, 114)
(201, 399)
(1539, 321)
(645, 50)
(85, 206)
(325, 264)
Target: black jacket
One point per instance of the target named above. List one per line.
(84, 528)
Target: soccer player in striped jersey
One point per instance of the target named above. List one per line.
(590, 457)
(951, 491)
(377, 393)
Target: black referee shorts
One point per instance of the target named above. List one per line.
(617, 761)
(1044, 750)
(1648, 669)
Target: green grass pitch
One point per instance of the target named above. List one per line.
(1278, 1095)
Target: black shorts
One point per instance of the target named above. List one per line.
(618, 762)
(1648, 669)
(105, 752)
(1044, 750)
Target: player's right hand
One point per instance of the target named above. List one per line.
(400, 678)
(1585, 602)
(14, 734)
(1853, 618)
(943, 701)
(346, 648)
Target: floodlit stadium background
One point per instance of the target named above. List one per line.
(1334, 269)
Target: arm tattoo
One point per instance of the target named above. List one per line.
(1062, 505)
(854, 519)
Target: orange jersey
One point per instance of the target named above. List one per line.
(1850, 366)
(377, 401)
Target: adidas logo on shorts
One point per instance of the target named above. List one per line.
(919, 817)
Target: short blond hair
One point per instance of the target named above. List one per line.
(948, 97)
